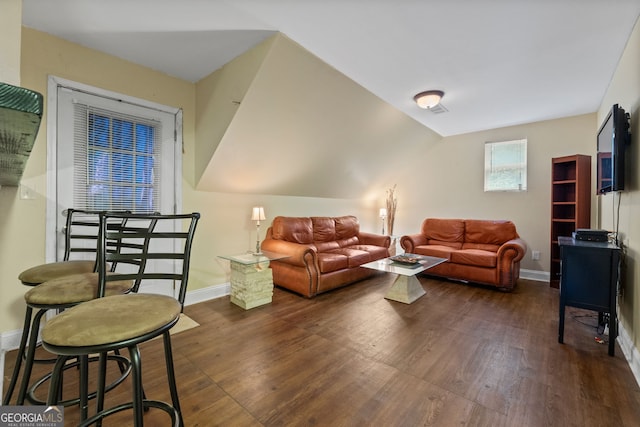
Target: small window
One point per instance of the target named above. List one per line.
(505, 166)
(120, 158)
(117, 159)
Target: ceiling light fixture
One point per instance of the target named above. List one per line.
(428, 99)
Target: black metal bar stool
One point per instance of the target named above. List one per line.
(81, 238)
(59, 294)
(64, 292)
(81, 235)
(117, 322)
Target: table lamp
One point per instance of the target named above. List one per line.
(257, 215)
(383, 217)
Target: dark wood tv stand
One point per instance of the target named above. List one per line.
(589, 280)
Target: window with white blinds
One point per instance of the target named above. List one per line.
(116, 160)
(108, 151)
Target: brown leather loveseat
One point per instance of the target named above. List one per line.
(324, 252)
(479, 251)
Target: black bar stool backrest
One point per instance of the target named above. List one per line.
(143, 249)
(81, 234)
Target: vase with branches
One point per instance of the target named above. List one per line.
(392, 204)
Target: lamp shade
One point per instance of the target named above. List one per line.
(383, 212)
(429, 98)
(257, 214)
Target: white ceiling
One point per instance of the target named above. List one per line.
(500, 62)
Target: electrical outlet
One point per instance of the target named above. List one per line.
(535, 255)
(26, 193)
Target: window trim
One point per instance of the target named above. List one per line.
(92, 120)
(53, 82)
(522, 185)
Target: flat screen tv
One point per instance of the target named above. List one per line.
(613, 138)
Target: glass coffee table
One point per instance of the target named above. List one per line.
(406, 288)
(251, 278)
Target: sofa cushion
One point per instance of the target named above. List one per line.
(475, 257)
(324, 229)
(440, 251)
(328, 262)
(489, 232)
(355, 257)
(444, 232)
(326, 246)
(348, 242)
(481, 246)
(291, 229)
(346, 227)
(375, 252)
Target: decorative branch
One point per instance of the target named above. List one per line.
(392, 204)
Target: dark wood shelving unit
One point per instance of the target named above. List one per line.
(570, 203)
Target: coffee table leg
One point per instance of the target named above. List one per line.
(405, 289)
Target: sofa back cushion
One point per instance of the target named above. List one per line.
(324, 229)
(445, 232)
(488, 235)
(347, 227)
(292, 229)
(326, 232)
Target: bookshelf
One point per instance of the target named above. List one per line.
(570, 203)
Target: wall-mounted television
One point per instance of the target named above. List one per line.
(613, 137)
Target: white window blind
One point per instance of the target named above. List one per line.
(116, 160)
(505, 165)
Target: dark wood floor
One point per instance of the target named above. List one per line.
(460, 355)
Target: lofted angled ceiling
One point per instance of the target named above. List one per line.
(500, 63)
(298, 127)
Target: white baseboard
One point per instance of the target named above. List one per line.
(630, 351)
(205, 294)
(10, 340)
(537, 275)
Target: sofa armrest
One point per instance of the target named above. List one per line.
(374, 239)
(509, 256)
(410, 242)
(298, 254)
(513, 250)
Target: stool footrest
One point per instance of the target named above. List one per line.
(147, 404)
(124, 372)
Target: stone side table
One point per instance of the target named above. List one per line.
(251, 278)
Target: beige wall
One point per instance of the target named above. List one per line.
(10, 33)
(301, 129)
(625, 91)
(22, 222)
(225, 226)
(447, 180)
(218, 97)
(439, 178)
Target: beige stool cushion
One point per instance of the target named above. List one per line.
(111, 319)
(72, 289)
(44, 272)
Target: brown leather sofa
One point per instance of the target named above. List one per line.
(324, 252)
(478, 251)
